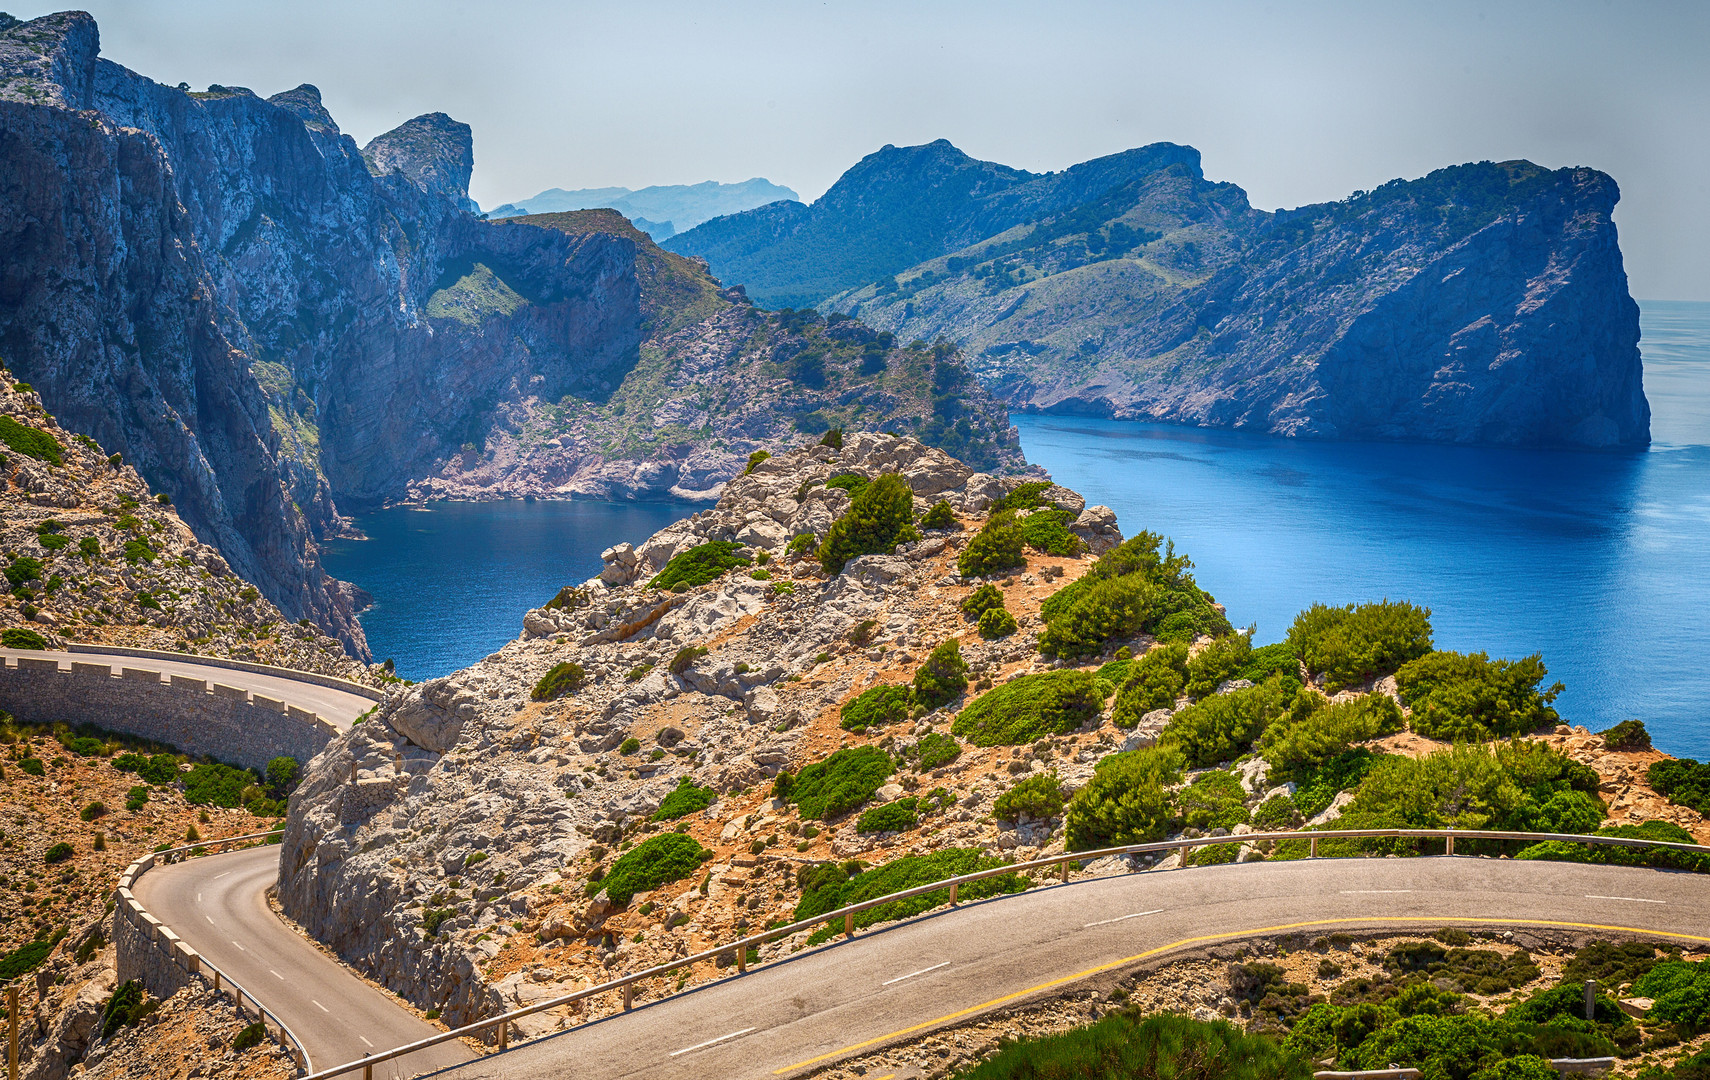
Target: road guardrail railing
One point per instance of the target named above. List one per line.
(180, 952)
(498, 1027)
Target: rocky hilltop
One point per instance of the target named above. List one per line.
(271, 322)
(865, 667)
(1484, 303)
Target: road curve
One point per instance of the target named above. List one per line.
(788, 1017)
(219, 905)
(337, 707)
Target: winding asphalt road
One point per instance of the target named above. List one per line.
(337, 707)
(788, 1017)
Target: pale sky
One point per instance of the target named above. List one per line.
(1296, 103)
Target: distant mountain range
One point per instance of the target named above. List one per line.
(660, 211)
(1484, 303)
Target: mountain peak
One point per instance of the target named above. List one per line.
(432, 151)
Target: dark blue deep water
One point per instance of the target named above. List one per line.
(1601, 561)
(451, 583)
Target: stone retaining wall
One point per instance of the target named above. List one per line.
(223, 722)
(235, 665)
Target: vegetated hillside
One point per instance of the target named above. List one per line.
(1484, 303)
(717, 380)
(868, 667)
(91, 554)
(669, 208)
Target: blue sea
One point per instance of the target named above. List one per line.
(1600, 561)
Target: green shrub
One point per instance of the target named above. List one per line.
(876, 707)
(89, 547)
(138, 550)
(218, 785)
(32, 766)
(880, 517)
(840, 783)
(656, 861)
(638, 672)
(1462, 696)
(1029, 706)
(30, 442)
(699, 565)
(23, 568)
(159, 769)
(683, 800)
(935, 749)
(18, 637)
(853, 483)
(898, 816)
(281, 773)
(28, 957)
(940, 516)
(1039, 796)
(833, 438)
(93, 811)
(1216, 664)
(898, 875)
(1681, 992)
(1026, 496)
(1141, 586)
(995, 624)
(1128, 1046)
(995, 549)
(1311, 735)
(1276, 814)
(58, 853)
(569, 598)
(126, 999)
(1659, 857)
(685, 658)
(1127, 801)
(1316, 788)
(987, 597)
(53, 541)
(1154, 681)
(1046, 531)
(434, 918)
(629, 746)
(1215, 800)
(754, 459)
(1683, 780)
(801, 544)
(1223, 727)
(136, 798)
(251, 1035)
(1627, 735)
(942, 678)
(566, 677)
(1359, 642)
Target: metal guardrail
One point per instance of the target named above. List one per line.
(187, 957)
(626, 984)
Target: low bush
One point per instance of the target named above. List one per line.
(1683, 780)
(754, 459)
(1040, 796)
(217, 785)
(1603, 855)
(19, 637)
(1155, 680)
(137, 798)
(997, 548)
(639, 672)
(29, 956)
(157, 769)
(876, 707)
(1217, 664)
(1127, 801)
(898, 816)
(853, 483)
(629, 746)
(1030, 706)
(58, 853)
(840, 783)
(93, 811)
(53, 541)
(1215, 800)
(934, 750)
(569, 598)
(121, 1006)
(1627, 735)
(1359, 642)
(940, 516)
(1468, 696)
(1316, 788)
(23, 568)
(800, 545)
(1141, 586)
(905, 873)
(1462, 970)
(880, 517)
(434, 918)
(1223, 727)
(942, 678)
(1128, 1046)
(1315, 730)
(683, 800)
(32, 766)
(986, 598)
(996, 623)
(700, 565)
(138, 550)
(1026, 496)
(833, 438)
(564, 678)
(29, 441)
(250, 1036)
(1680, 991)
(1277, 814)
(1046, 531)
(685, 657)
(656, 861)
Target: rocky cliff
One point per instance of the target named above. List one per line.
(1484, 303)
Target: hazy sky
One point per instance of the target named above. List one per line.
(1295, 102)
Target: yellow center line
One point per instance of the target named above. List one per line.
(994, 1002)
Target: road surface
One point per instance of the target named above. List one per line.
(337, 707)
(219, 905)
(788, 1017)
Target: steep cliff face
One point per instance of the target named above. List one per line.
(1484, 303)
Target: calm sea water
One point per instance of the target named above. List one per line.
(451, 583)
(1601, 561)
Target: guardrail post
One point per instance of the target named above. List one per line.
(741, 960)
(1065, 871)
(1449, 848)
(849, 925)
(628, 996)
(1312, 848)
(11, 1033)
(1184, 856)
(953, 886)
(1591, 999)
(368, 1072)
(504, 1035)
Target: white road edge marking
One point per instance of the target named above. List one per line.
(365, 1041)
(319, 1006)
(210, 919)
(240, 947)
(1121, 918)
(219, 876)
(276, 975)
(1355, 892)
(1628, 899)
(710, 1042)
(198, 898)
(912, 974)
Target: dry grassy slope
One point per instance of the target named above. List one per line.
(201, 606)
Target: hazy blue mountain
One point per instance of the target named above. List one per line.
(676, 206)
